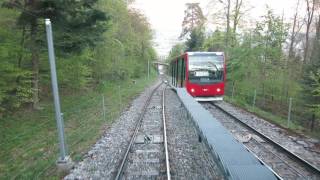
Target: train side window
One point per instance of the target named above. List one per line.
(173, 76)
(172, 73)
(180, 72)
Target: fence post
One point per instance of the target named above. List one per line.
(254, 99)
(148, 69)
(103, 108)
(289, 112)
(64, 161)
(119, 90)
(232, 93)
(312, 121)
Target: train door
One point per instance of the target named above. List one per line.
(177, 72)
(183, 72)
(179, 79)
(180, 76)
(172, 73)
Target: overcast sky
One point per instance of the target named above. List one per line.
(166, 16)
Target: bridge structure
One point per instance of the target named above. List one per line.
(161, 66)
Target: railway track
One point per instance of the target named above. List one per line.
(146, 156)
(283, 162)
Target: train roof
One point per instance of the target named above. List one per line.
(204, 53)
(219, 53)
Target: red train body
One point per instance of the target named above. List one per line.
(203, 74)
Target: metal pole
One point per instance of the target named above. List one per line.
(289, 112)
(103, 109)
(119, 89)
(232, 93)
(254, 98)
(58, 113)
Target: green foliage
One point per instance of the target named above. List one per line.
(256, 62)
(193, 19)
(215, 42)
(315, 77)
(14, 80)
(270, 34)
(127, 46)
(74, 72)
(196, 40)
(176, 50)
(310, 79)
(94, 41)
(29, 142)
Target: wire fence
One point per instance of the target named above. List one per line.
(32, 150)
(289, 112)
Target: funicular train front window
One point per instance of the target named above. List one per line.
(206, 68)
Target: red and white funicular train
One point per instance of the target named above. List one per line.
(203, 74)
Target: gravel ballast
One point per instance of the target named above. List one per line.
(189, 158)
(307, 148)
(102, 161)
(280, 161)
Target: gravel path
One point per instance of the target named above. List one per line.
(102, 161)
(189, 158)
(307, 148)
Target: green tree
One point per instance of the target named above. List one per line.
(176, 50)
(77, 26)
(315, 78)
(127, 46)
(310, 80)
(215, 41)
(15, 79)
(196, 40)
(193, 19)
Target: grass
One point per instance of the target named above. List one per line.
(280, 121)
(29, 143)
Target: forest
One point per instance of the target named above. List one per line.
(94, 40)
(272, 63)
(101, 46)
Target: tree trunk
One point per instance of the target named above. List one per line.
(19, 64)
(35, 65)
(21, 46)
(293, 32)
(228, 23)
(316, 44)
(236, 19)
(312, 122)
(306, 50)
(310, 11)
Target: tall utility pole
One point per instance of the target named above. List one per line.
(64, 162)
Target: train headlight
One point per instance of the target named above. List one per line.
(192, 90)
(218, 89)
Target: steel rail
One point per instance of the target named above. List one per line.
(308, 165)
(286, 163)
(136, 129)
(165, 135)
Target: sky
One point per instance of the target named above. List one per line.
(166, 16)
